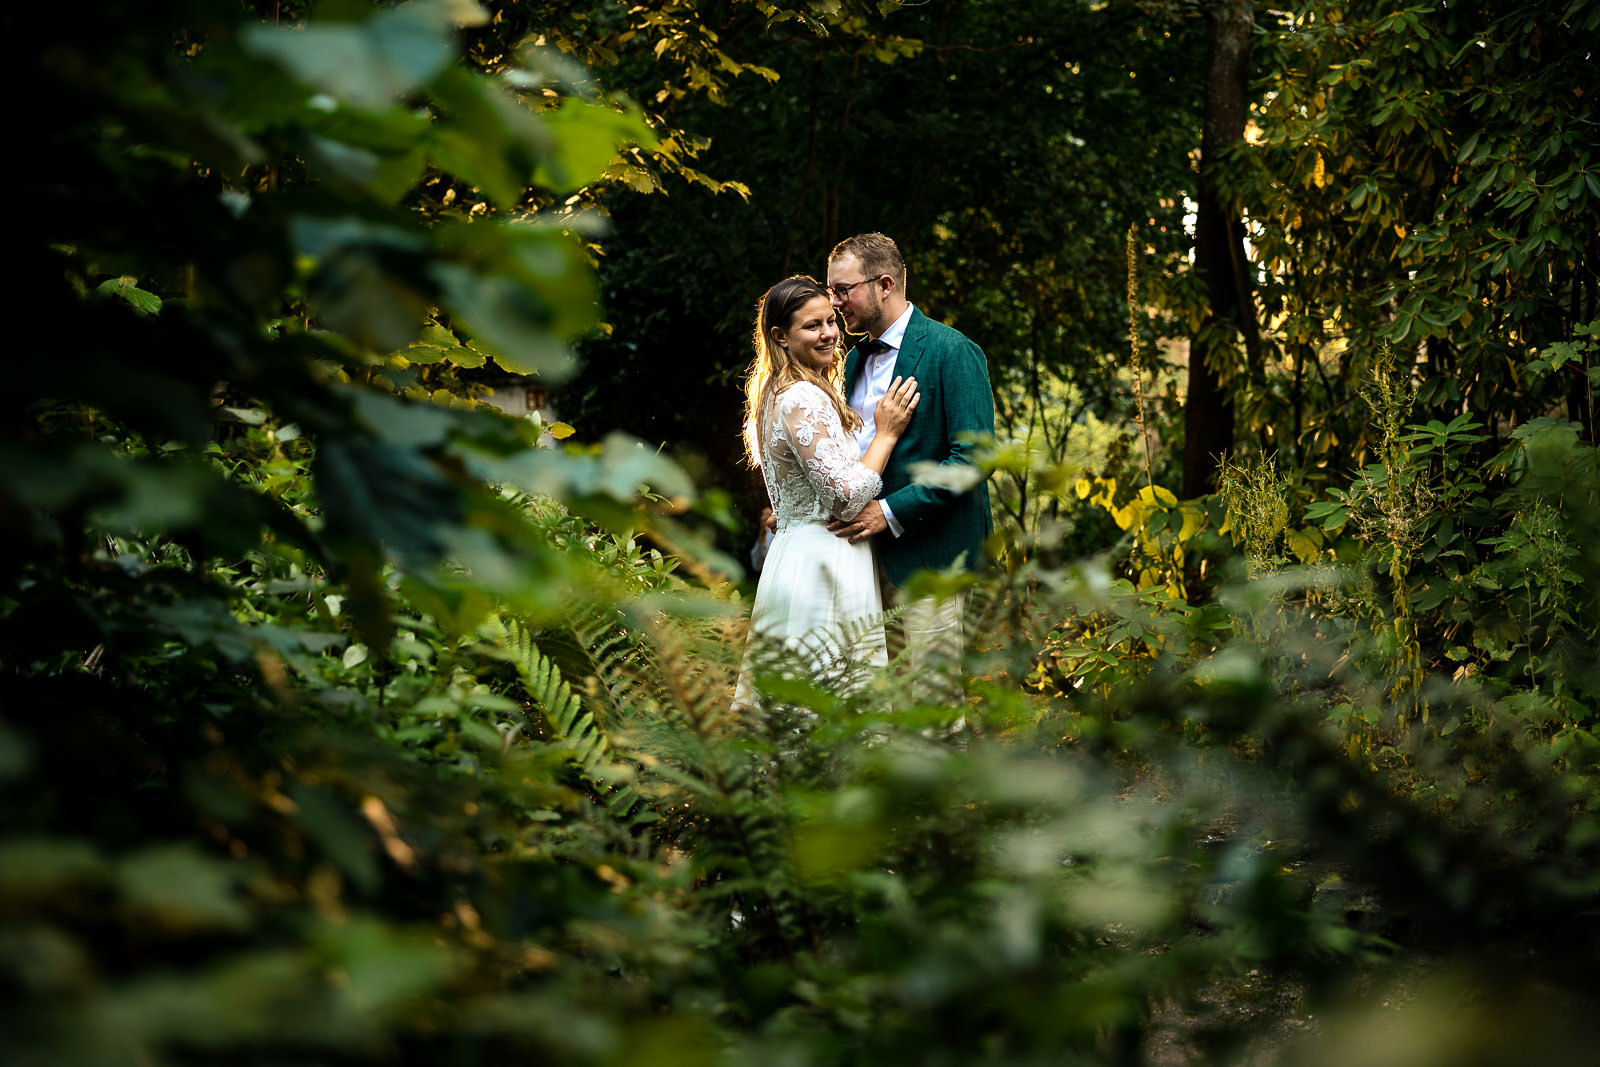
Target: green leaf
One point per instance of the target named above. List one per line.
(342, 838)
(381, 494)
(182, 889)
(469, 356)
(368, 64)
(145, 303)
(511, 320)
(459, 607)
(16, 754)
(587, 138)
(248, 416)
(405, 423)
(786, 689)
(46, 867)
(842, 834)
(205, 624)
(550, 261)
(354, 295)
(487, 137)
(383, 966)
(435, 344)
(1553, 356)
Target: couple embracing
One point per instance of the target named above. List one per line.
(836, 443)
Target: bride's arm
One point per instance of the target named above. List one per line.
(826, 454)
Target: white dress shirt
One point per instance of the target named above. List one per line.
(872, 386)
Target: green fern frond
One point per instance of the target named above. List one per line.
(573, 727)
(705, 780)
(716, 768)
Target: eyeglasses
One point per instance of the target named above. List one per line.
(843, 291)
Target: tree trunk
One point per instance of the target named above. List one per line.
(1219, 253)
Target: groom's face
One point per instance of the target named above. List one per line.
(862, 307)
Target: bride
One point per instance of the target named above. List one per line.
(818, 593)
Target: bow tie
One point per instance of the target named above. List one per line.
(870, 348)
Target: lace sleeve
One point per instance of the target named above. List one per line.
(829, 456)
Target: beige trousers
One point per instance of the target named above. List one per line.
(927, 640)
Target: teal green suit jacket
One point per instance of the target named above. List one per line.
(942, 526)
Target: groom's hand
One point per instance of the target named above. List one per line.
(869, 521)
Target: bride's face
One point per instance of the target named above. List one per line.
(813, 334)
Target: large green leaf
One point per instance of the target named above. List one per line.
(384, 966)
(437, 344)
(145, 303)
(547, 258)
(343, 838)
(382, 494)
(180, 888)
(510, 319)
(401, 422)
(486, 137)
(368, 64)
(45, 867)
(357, 296)
(587, 138)
(621, 467)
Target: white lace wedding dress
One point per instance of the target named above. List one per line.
(818, 593)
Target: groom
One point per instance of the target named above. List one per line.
(917, 526)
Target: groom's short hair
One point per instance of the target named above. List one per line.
(877, 254)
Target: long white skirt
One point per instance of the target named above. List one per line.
(818, 596)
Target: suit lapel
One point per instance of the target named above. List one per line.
(912, 348)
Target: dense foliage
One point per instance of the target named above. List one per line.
(1424, 177)
(346, 720)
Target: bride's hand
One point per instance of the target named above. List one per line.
(894, 411)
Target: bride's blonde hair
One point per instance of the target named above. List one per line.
(773, 369)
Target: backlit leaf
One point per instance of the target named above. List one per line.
(367, 64)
